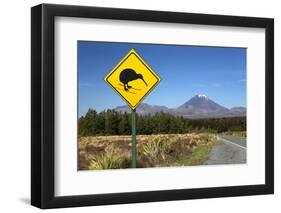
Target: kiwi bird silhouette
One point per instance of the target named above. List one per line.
(128, 75)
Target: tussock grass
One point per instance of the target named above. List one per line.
(111, 158)
(114, 152)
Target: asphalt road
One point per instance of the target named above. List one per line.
(232, 151)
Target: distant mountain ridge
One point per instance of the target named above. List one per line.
(199, 106)
(144, 108)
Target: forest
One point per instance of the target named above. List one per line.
(111, 122)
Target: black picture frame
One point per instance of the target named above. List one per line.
(43, 102)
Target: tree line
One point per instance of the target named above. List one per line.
(111, 122)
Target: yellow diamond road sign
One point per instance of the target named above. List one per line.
(132, 78)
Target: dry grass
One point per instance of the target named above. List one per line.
(113, 152)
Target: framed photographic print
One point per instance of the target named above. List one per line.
(139, 106)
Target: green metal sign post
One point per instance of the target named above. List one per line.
(134, 140)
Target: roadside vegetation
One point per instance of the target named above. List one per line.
(241, 134)
(104, 140)
(114, 152)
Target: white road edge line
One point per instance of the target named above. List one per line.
(231, 142)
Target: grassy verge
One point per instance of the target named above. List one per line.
(199, 156)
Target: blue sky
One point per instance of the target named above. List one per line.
(219, 73)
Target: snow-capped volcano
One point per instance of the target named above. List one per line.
(201, 96)
(199, 106)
